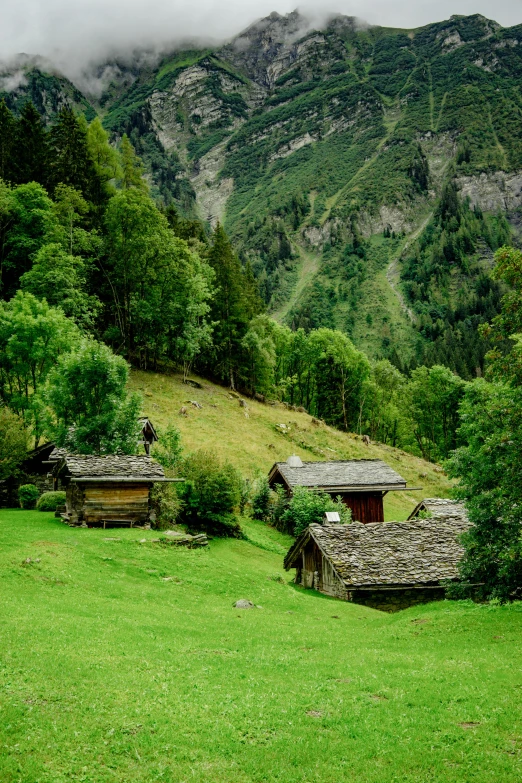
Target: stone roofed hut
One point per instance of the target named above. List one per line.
(387, 566)
(361, 483)
(438, 508)
(108, 489)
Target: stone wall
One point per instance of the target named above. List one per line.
(395, 600)
(385, 600)
(9, 488)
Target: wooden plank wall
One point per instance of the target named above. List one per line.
(309, 564)
(317, 572)
(122, 502)
(365, 506)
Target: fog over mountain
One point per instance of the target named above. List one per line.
(74, 34)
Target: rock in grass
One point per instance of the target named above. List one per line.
(243, 604)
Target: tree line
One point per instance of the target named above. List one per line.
(82, 238)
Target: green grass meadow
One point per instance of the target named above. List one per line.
(125, 661)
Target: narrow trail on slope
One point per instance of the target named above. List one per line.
(392, 275)
(307, 270)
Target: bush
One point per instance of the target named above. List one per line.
(168, 451)
(50, 500)
(278, 504)
(261, 499)
(210, 495)
(165, 505)
(28, 495)
(245, 495)
(307, 507)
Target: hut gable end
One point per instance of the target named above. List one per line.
(438, 508)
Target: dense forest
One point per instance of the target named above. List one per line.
(82, 238)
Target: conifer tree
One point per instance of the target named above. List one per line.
(231, 308)
(71, 161)
(7, 143)
(131, 167)
(32, 147)
(253, 301)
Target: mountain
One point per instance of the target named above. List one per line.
(37, 80)
(327, 154)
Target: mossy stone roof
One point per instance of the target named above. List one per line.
(113, 466)
(356, 474)
(417, 552)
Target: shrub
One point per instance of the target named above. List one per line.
(245, 495)
(28, 495)
(210, 495)
(278, 504)
(261, 499)
(168, 452)
(50, 500)
(307, 507)
(165, 506)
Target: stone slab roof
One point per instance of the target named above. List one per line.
(390, 553)
(124, 467)
(439, 508)
(57, 454)
(343, 474)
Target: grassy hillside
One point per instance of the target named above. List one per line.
(271, 433)
(123, 661)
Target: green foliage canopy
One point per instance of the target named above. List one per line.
(13, 443)
(33, 337)
(210, 495)
(488, 468)
(307, 507)
(89, 408)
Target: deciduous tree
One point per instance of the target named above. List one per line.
(13, 443)
(89, 408)
(33, 336)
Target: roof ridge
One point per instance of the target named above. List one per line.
(331, 461)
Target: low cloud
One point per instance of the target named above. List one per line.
(80, 36)
(13, 81)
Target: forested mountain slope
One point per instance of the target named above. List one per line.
(365, 172)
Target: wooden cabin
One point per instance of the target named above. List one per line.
(109, 490)
(387, 566)
(361, 483)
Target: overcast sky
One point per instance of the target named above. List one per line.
(74, 32)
